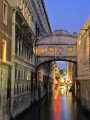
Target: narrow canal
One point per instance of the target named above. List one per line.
(57, 106)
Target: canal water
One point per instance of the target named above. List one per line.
(57, 106)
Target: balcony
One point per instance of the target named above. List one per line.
(22, 8)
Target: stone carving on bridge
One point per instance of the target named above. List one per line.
(60, 50)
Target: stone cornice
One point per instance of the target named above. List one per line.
(7, 63)
(21, 60)
(4, 33)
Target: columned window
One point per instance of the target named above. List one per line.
(18, 47)
(21, 48)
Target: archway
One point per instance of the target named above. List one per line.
(60, 45)
(46, 76)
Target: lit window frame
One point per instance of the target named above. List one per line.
(4, 51)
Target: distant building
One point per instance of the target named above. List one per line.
(56, 72)
(69, 67)
(45, 77)
(71, 73)
(63, 75)
(61, 72)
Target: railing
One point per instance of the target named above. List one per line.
(22, 96)
(22, 87)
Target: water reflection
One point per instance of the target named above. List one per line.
(57, 106)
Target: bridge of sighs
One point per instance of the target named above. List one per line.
(60, 45)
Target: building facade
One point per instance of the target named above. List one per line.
(5, 56)
(71, 75)
(28, 24)
(69, 67)
(83, 53)
(45, 78)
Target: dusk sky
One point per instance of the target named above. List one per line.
(67, 14)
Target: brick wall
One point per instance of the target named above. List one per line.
(6, 30)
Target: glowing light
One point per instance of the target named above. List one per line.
(62, 91)
(56, 81)
(4, 51)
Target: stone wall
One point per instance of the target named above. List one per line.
(83, 59)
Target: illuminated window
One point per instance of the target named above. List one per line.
(51, 50)
(70, 49)
(5, 13)
(40, 51)
(4, 51)
(28, 75)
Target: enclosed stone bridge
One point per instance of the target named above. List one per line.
(60, 45)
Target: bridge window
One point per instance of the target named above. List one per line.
(40, 51)
(51, 50)
(70, 49)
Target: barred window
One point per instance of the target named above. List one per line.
(70, 49)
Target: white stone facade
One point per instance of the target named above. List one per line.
(57, 46)
(26, 27)
(4, 91)
(83, 53)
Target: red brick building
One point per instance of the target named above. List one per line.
(5, 55)
(5, 30)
